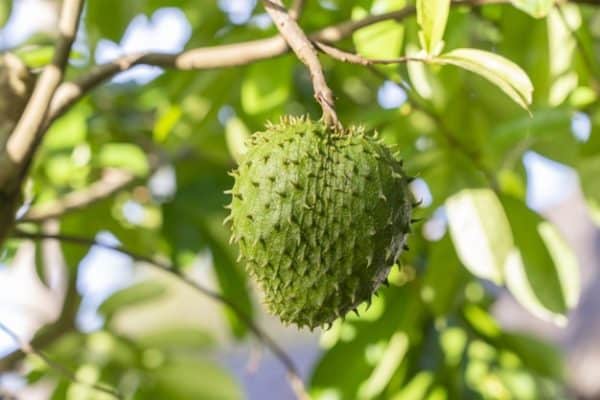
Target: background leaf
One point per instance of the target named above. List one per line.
(543, 281)
(535, 8)
(382, 40)
(136, 294)
(480, 232)
(185, 379)
(5, 10)
(258, 94)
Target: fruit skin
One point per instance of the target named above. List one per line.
(320, 217)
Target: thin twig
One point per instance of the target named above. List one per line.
(293, 375)
(22, 141)
(353, 58)
(27, 348)
(306, 52)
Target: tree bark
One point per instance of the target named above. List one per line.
(16, 85)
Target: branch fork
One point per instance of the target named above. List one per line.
(305, 51)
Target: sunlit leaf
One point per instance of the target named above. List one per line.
(352, 364)
(432, 16)
(417, 388)
(166, 122)
(394, 353)
(260, 93)
(505, 74)
(70, 130)
(480, 232)
(453, 342)
(36, 56)
(382, 40)
(136, 294)
(124, 155)
(237, 135)
(418, 74)
(589, 170)
(481, 321)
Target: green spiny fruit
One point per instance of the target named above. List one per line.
(320, 217)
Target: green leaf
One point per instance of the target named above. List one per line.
(480, 232)
(352, 364)
(199, 202)
(481, 321)
(194, 379)
(393, 355)
(176, 338)
(547, 132)
(537, 355)
(266, 85)
(453, 341)
(124, 155)
(5, 10)
(439, 292)
(36, 56)
(166, 121)
(379, 41)
(417, 388)
(505, 74)
(109, 18)
(70, 130)
(237, 134)
(535, 8)
(541, 271)
(589, 170)
(136, 294)
(432, 16)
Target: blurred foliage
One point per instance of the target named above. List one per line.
(430, 335)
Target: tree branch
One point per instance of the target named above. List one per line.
(22, 141)
(27, 348)
(112, 181)
(293, 375)
(194, 59)
(302, 46)
(230, 55)
(223, 56)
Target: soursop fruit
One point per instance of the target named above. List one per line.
(320, 216)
